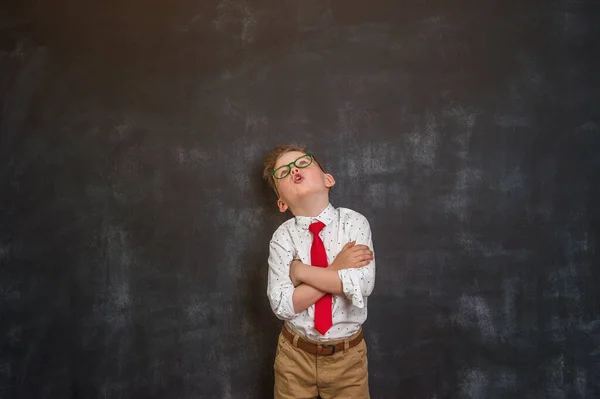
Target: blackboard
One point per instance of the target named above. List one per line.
(134, 224)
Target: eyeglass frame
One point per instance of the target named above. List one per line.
(289, 166)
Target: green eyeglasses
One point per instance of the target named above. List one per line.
(301, 163)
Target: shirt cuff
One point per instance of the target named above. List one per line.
(283, 306)
(351, 287)
(289, 306)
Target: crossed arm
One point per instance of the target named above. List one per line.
(294, 286)
(313, 282)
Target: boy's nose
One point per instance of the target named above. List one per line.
(295, 170)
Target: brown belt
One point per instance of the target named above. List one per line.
(321, 349)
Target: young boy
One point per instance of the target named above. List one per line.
(321, 271)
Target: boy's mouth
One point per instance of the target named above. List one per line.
(298, 178)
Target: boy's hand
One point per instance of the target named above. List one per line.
(352, 256)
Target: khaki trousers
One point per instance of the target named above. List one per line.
(302, 375)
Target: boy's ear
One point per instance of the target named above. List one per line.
(282, 205)
(329, 180)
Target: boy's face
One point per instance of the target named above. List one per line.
(301, 183)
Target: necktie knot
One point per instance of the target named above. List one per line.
(316, 227)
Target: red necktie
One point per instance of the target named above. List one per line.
(318, 257)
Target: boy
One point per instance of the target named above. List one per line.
(321, 271)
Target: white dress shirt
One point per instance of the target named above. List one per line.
(292, 240)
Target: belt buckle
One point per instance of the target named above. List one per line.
(320, 349)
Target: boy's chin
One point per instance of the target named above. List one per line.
(308, 193)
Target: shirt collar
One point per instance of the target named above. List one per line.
(326, 217)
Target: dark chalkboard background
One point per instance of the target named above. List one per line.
(134, 224)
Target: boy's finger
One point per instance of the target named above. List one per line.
(366, 251)
(360, 248)
(349, 245)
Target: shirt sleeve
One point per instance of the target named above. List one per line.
(358, 283)
(280, 287)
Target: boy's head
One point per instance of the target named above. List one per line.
(297, 178)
